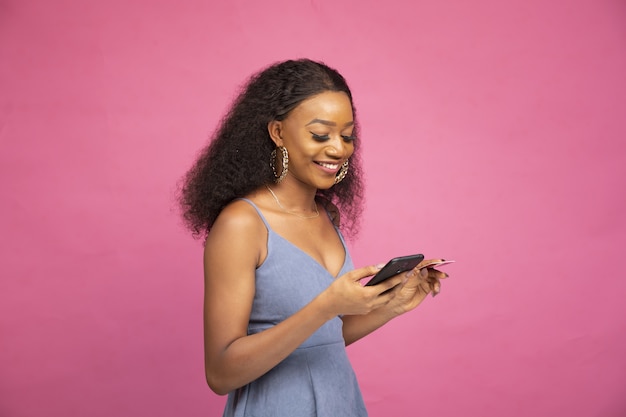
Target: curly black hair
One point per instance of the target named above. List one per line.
(236, 161)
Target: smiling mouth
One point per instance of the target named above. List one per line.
(327, 165)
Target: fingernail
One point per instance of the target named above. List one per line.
(446, 275)
(380, 266)
(424, 272)
(435, 294)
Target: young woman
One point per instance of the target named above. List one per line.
(282, 299)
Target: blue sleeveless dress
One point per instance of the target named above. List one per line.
(317, 379)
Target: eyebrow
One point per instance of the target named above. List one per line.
(327, 122)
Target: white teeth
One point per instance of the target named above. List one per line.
(329, 166)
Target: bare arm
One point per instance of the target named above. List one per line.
(357, 327)
(233, 250)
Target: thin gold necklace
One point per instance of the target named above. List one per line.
(317, 213)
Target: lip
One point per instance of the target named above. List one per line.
(330, 167)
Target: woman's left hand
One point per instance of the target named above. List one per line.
(417, 284)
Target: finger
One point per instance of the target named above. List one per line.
(435, 263)
(434, 273)
(385, 297)
(433, 279)
(429, 262)
(387, 284)
(419, 272)
(435, 287)
(366, 271)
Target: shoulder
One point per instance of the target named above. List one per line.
(238, 228)
(238, 217)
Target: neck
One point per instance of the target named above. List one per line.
(298, 203)
(294, 196)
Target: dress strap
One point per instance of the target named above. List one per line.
(267, 225)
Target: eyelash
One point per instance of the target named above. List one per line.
(321, 138)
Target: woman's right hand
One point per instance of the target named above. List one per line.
(347, 296)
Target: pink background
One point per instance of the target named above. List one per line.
(493, 133)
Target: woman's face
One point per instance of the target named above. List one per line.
(318, 136)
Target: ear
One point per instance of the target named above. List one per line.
(275, 128)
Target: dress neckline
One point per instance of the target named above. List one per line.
(298, 248)
(308, 255)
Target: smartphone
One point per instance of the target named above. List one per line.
(396, 266)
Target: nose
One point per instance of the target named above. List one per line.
(337, 147)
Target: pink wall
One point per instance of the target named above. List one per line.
(493, 134)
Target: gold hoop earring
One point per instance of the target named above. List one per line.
(285, 164)
(342, 172)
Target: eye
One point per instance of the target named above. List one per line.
(319, 138)
(348, 138)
